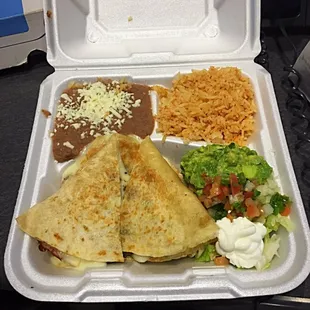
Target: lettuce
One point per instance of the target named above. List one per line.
(208, 254)
(273, 223)
(271, 247)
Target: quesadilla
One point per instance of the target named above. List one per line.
(161, 219)
(119, 197)
(81, 221)
(128, 147)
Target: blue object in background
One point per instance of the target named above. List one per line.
(12, 18)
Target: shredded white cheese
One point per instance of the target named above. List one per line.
(98, 104)
(76, 126)
(68, 144)
(66, 97)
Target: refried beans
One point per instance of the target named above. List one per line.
(73, 130)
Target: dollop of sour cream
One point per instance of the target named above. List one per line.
(241, 241)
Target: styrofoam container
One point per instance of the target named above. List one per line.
(90, 39)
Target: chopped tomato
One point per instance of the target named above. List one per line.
(248, 195)
(207, 189)
(230, 217)
(233, 180)
(234, 184)
(221, 196)
(221, 261)
(252, 209)
(249, 202)
(216, 187)
(286, 211)
(215, 190)
(225, 190)
(227, 206)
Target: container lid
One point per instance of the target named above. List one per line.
(108, 33)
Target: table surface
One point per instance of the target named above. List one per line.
(19, 88)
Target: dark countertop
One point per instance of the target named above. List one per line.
(18, 98)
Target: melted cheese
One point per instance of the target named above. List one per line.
(123, 174)
(140, 259)
(71, 169)
(75, 263)
(75, 166)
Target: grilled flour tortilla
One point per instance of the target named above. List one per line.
(120, 196)
(161, 219)
(82, 219)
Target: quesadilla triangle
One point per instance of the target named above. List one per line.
(161, 219)
(82, 219)
(128, 150)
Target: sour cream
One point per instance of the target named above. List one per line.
(241, 241)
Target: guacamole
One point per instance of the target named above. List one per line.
(222, 160)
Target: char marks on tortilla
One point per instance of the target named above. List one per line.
(160, 217)
(82, 218)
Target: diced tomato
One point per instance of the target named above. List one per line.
(221, 261)
(227, 206)
(235, 190)
(230, 217)
(286, 211)
(225, 190)
(234, 184)
(249, 202)
(215, 190)
(233, 180)
(207, 189)
(221, 195)
(252, 209)
(248, 195)
(216, 187)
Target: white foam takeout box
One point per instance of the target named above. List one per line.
(150, 41)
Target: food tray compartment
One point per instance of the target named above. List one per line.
(31, 273)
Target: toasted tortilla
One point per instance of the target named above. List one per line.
(82, 219)
(128, 149)
(160, 217)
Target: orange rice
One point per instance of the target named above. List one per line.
(215, 105)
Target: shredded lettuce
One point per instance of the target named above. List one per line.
(273, 223)
(208, 254)
(271, 247)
